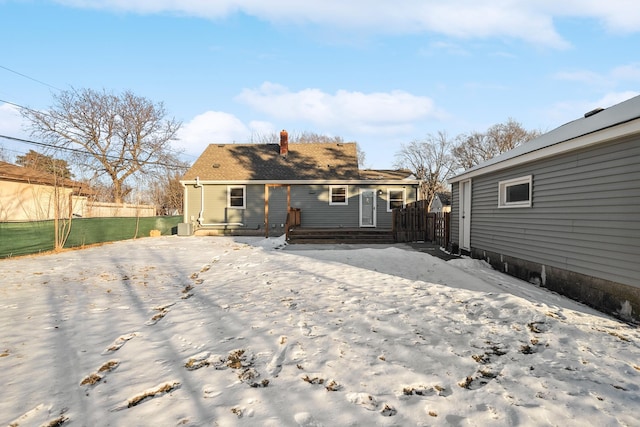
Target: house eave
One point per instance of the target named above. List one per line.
(302, 182)
(598, 137)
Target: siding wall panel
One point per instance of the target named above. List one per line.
(585, 215)
(455, 209)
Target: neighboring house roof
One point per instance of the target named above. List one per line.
(445, 198)
(302, 162)
(15, 173)
(597, 126)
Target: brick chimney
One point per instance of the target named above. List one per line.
(284, 143)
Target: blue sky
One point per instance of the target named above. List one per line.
(380, 73)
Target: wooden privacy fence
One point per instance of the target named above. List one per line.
(414, 224)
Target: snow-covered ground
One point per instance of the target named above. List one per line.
(208, 331)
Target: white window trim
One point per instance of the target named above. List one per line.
(404, 197)
(346, 195)
(244, 196)
(502, 192)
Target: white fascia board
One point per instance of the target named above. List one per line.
(302, 182)
(602, 136)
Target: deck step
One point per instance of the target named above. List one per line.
(341, 235)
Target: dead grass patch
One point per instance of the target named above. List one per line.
(533, 327)
(57, 422)
(163, 389)
(91, 379)
(313, 380)
(237, 359)
(109, 366)
(466, 383)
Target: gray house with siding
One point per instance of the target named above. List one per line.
(562, 210)
(249, 188)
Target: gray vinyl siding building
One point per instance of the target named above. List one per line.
(311, 199)
(578, 230)
(250, 188)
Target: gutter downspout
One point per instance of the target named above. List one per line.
(200, 217)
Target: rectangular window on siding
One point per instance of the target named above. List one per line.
(236, 197)
(515, 193)
(338, 195)
(395, 199)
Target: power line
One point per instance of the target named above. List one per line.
(30, 78)
(85, 152)
(66, 148)
(13, 103)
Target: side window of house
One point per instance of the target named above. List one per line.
(395, 199)
(515, 193)
(236, 196)
(338, 195)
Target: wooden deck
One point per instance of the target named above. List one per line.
(299, 235)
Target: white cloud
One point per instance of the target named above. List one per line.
(613, 98)
(614, 77)
(11, 122)
(563, 112)
(629, 72)
(261, 128)
(356, 112)
(618, 16)
(581, 76)
(531, 21)
(445, 46)
(209, 128)
(13, 125)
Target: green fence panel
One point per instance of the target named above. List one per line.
(23, 238)
(87, 231)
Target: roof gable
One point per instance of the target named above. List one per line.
(258, 162)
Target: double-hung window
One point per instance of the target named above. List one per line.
(395, 199)
(515, 193)
(236, 196)
(338, 195)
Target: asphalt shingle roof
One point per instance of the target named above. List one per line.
(304, 161)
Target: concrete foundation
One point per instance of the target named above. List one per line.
(616, 299)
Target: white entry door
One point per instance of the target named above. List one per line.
(465, 215)
(367, 208)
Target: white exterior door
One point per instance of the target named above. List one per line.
(367, 208)
(465, 215)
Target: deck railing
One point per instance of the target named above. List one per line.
(293, 220)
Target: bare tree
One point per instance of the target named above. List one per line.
(117, 135)
(4, 156)
(431, 163)
(166, 192)
(474, 148)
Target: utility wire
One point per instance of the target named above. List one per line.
(16, 105)
(78, 151)
(30, 78)
(64, 148)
